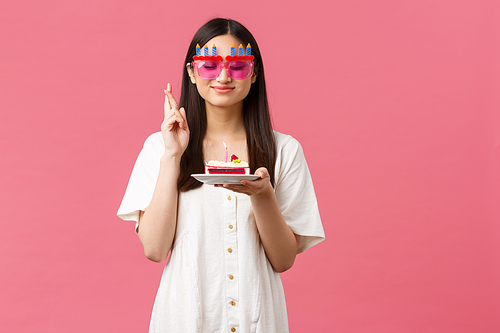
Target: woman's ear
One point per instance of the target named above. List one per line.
(191, 73)
(254, 76)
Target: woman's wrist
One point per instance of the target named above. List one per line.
(170, 158)
(171, 163)
(265, 194)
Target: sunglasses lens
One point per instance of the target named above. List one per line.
(239, 69)
(208, 69)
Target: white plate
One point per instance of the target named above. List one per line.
(222, 179)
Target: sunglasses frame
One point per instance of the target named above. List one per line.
(220, 65)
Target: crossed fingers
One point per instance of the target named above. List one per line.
(172, 113)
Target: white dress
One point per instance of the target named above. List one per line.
(218, 278)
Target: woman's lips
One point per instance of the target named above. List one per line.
(222, 89)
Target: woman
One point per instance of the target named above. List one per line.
(227, 243)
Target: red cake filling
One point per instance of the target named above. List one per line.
(223, 170)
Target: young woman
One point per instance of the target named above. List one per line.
(227, 243)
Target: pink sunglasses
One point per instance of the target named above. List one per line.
(235, 69)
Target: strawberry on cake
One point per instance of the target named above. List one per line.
(235, 167)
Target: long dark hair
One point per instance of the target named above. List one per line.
(260, 138)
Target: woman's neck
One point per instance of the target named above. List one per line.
(225, 123)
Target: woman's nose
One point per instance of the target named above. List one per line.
(223, 77)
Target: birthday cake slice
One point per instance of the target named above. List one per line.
(235, 167)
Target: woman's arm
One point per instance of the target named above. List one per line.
(279, 241)
(158, 222)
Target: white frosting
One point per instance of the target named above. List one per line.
(242, 164)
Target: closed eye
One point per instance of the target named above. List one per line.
(209, 65)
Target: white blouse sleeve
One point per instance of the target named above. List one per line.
(295, 193)
(142, 182)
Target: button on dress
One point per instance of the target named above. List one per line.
(218, 278)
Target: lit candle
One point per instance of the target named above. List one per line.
(232, 51)
(206, 50)
(249, 50)
(214, 51)
(198, 52)
(240, 51)
(225, 147)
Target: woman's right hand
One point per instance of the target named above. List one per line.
(174, 128)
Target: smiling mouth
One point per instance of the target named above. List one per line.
(222, 89)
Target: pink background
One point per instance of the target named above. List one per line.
(396, 104)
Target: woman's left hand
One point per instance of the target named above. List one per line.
(252, 187)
